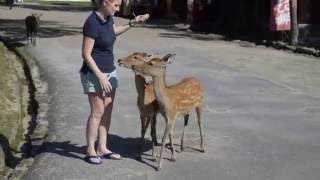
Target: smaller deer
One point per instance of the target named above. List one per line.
(146, 100)
(175, 100)
(32, 25)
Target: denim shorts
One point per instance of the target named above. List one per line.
(90, 82)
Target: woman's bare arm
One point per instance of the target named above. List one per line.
(87, 47)
(123, 28)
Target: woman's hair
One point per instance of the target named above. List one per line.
(96, 4)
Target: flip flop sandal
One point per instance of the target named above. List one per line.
(113, 156)
(93, 159)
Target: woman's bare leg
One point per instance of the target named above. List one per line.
(105, 123)
(97, 109)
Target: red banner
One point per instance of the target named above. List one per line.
(280, 15)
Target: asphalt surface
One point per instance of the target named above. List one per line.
(261, 119)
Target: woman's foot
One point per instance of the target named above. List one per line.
(112, 155)
(93, 159)
(107, 154)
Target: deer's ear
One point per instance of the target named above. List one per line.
(151, 63)
(137, 54)
(148, 57)
(169, 58)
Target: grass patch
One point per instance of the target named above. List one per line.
(12, 106)
(9, 114)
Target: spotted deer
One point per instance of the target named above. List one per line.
(32, 25)
(174, 100)
(146, 101)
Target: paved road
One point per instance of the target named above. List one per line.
(262, 106)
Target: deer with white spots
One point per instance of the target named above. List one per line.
(174, 100)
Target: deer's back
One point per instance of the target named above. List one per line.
(186, 95)
(31, 23)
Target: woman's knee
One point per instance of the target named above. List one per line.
(110, 98)
(96, 116)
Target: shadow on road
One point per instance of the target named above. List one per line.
(15, 33)
(55, 6)
(65, 148)
(127, 147)
(9, 159)
(179, 29)
(192, 35)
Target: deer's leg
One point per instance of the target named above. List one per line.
(27, 33)
(34, 36)
(153, 152)
(186, 119)
(173, 156)
(147, 124)
(154, 130)
(165, 135)
(154, 136)
(144, 123)
(199, 110)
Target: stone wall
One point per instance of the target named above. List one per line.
(14, 118)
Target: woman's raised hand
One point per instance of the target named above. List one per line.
(142, 18)
(139, 19)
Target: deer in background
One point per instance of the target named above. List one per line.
(32, 25)
(10, 3)
(146, 101)
(175, 100)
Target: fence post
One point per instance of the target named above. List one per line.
(294, 23)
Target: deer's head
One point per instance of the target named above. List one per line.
(136, 58)
(37, 15)
(155, 66)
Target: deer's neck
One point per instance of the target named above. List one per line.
(140, 84)
(161, 90)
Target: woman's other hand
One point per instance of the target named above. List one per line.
(105, 84)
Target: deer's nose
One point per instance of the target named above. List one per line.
(119, 60)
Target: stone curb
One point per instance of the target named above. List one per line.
(39, 120)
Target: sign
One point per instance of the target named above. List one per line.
(280, 15)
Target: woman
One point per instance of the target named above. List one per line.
(98, 74)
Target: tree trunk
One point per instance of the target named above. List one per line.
(169, 6)
(294, 23)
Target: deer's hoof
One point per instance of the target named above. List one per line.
(202, 150)
(156, 143)
(173, 159)
(139, 158)
(158, 168)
